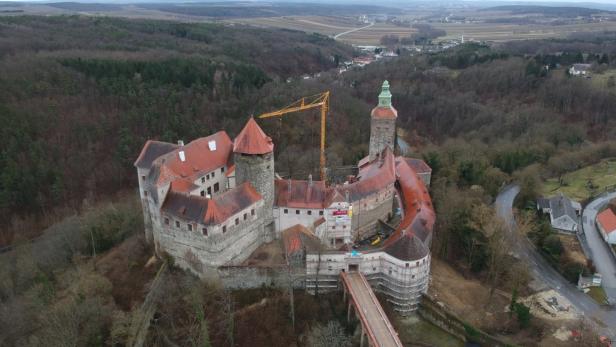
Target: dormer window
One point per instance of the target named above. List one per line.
(189, 227)
(204, 231)
(222, 169)
(224, 229)
(177, 224)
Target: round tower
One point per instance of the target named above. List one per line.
(253, 155)
(383, 124)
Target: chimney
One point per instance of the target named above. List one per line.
(346, 195)
(289, 185)
(310, 180)
(181, 152)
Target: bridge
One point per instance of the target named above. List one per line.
(374, 323)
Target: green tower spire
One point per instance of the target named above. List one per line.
(385, 96)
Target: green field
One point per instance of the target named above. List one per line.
(576, 184)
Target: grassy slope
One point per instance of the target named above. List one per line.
(576, 187)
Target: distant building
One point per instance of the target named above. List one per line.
(564, 212)
(580, 69)
(606, 222)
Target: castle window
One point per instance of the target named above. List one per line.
(245, 216)
(222, 169)
(213, 174)
(216, 187)
(296, 211)
(167, 221)
(413, 276)
(202, 179)
(224, 229)
(189, 227)
(286, 211)
(209, 191)
(143, 178)
(417, 264)
(207, 176)
(334, 227)
(145, 193)
(268, 167)
(320, 213)
(344, 227)
(252, 212)
(177, 224)
(374, 268)
(237, 221)
(309, 212)
(203, 193)
(204, 231)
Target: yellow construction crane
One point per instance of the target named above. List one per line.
(306, 103)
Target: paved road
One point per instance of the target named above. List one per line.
(603, 320)
(352, 30)
(600, 254)
(377, 322)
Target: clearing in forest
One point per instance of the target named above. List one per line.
(581, 184)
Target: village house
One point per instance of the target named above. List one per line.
(580, 69)
(606, 222)
(564, 213)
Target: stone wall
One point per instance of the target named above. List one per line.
(259, 171)
(382, 134)
(245, 277)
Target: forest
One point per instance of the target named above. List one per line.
(79, 96)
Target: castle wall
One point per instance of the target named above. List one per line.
(259, 171)
(402, 282)
(367, 211)
(382, 134)
(245, 277)
(292, 217)
(211, 183)
(193, 250)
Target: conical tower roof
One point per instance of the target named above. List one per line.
(252, 140)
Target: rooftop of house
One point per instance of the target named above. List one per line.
(607, 219)
(212, 211)
(252, 140)
(301, 194)
(151, 151)
(202, 155)
(299, 238)
(563, 206)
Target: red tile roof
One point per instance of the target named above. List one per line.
(372, 178)
(412, 238)
(210, 211)
(183, 186)
(384, 112)
(151, 151)
(418, 165)
(297, 238)
(252, 140)
(607, 219)
(300, 194)
(201, 155)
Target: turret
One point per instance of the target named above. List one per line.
(253, 155)
(383, 124)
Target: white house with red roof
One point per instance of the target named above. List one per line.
(606, 222)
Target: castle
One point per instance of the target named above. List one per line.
(214, 201)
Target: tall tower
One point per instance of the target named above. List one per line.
(383, 124)
(253, 154)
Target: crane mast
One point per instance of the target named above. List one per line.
(306, 103)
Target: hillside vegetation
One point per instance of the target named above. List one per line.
(79, 97)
